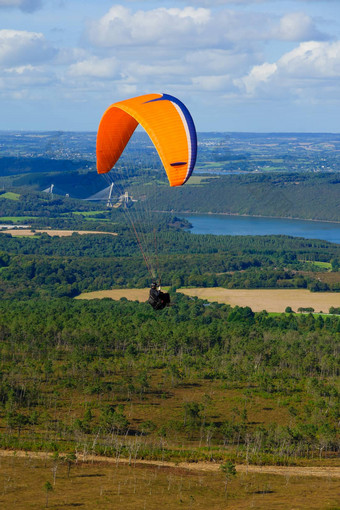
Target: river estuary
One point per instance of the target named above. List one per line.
(221, 224)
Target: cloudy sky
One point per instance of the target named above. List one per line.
(239, 65)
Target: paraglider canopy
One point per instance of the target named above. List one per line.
(168, 123)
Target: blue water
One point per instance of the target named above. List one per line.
(220, 224)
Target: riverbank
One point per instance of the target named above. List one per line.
(211, 213)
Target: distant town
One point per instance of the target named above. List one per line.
(217, 152)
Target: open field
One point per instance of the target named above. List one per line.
(272, 300)
(102, 485)
(324, 265)
(130, 294)
(89, 213)
(15, 219)
(10, 195)
(60, 233)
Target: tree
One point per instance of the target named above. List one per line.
(113, 420)
(16, 420)
(335, 264)
(56, 459)
(229, 471)
(192, 413)
(70, 459)
(47, 488)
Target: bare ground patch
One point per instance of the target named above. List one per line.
(320, 471)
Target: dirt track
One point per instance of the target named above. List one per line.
(329, 472)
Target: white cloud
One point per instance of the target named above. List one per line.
(25, 64)
(68, 56)
(258, 75)
(193, 49)
(197, 51)
(94, 67)
(212, 83)
(22, 77)
(312, 60)
(21, 47)
(162, 71)
(298, 26)
(218, 61)
(211, 3)
(197, 28)
(305, 72)
(122, 27)
(24, 5)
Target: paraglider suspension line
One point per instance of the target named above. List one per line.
(156, 252)
(141, 249)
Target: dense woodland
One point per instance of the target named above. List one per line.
(294, 195)
(198, 380)
(66, 266)
(84, 375)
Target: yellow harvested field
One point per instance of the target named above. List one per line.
(272, 300)
(130, 294)
(59, 233)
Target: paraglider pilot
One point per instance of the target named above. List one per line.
(158, 299)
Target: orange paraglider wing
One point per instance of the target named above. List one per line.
(168, 123)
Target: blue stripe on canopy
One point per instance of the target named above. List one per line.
(191, 129)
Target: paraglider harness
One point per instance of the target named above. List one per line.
(158, 299)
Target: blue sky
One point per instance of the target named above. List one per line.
(242, 65)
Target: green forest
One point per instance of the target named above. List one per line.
(85, 375)
(66, 266)
(305, 196)
(289, 194)
(196, 381)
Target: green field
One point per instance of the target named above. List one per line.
(323, 265)
(90, 213)
(16, 219)
(10, 195)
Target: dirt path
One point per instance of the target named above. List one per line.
(329, 472)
